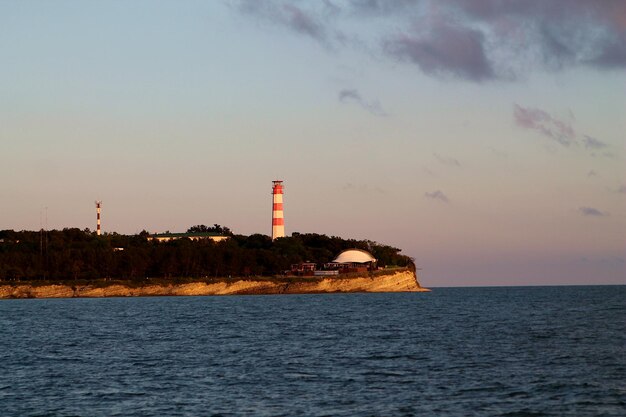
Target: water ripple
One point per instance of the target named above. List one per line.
(476, 351)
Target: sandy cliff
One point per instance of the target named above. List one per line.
(402, 281)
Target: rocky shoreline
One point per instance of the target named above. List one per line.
(402, 281)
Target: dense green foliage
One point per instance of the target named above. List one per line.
(71, 254)
(216, 228)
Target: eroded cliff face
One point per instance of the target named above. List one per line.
(404, 281)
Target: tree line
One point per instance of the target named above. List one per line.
(74, 254)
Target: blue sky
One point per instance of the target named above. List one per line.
(484, 138)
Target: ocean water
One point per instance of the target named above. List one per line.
(534, 351)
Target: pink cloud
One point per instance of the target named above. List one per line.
(544, 123)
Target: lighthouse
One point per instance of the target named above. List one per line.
(98, 206)
(278, 220)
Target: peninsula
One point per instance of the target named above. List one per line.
(202, 261)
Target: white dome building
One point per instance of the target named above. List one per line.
(354, 256)
(352, 260)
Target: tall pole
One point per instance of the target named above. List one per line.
(98, 205)
(278, 219)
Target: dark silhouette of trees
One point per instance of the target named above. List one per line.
(201, 228)
(73, 254)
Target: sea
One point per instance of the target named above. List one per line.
(493, 351)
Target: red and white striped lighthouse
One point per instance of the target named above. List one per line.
(278, 220)
(98, 204)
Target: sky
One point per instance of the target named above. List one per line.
(484, 138)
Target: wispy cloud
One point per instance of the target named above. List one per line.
(474, 40)
(444, 49)
(592, 212)
(437, 195)
(303, 23)
(593, 143)
(501, 37)
(542, 122)
(379, 8)
(558, 130)
(446, 160)
(622, 189)
(592, 173)
(295, 17)
(353, 96)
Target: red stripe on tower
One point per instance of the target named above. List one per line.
(278, 221)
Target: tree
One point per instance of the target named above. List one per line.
(73, 254)
(201, 228)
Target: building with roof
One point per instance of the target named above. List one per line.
(354, 256)
(355, 260)
(303, 269)
(166, 237)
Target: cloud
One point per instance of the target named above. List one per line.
(544, 123)
(473, 40)
(562, 33)
(444, 50)
(592, 143)
(622, 189)
(303, 23)
(558, 130)
(352, 95)
(447, 160)
(381, 7)
(437, 195)
(592, 212)
(612, 55)
(592, 173)
(288, 14)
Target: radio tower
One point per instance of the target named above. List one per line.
(98, 205)
(278, 220)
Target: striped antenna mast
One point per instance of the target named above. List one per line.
(278, 219)
(98, 205)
